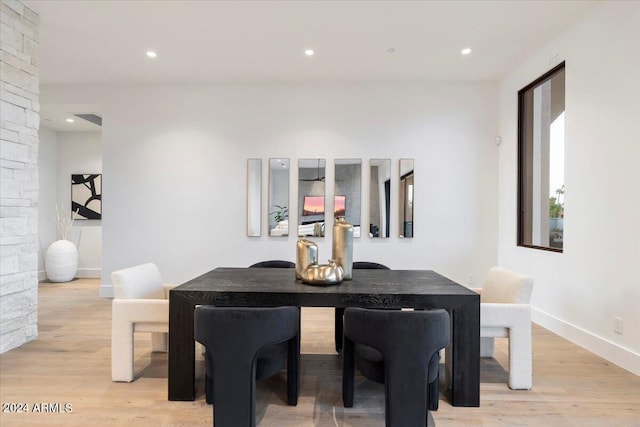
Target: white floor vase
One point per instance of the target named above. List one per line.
(61, 261)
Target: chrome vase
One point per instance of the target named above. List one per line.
(342, 246)
(326, 274)
(306, 255)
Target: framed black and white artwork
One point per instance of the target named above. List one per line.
(86, 195)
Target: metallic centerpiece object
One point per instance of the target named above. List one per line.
(326, 274)
(342, 246)
(306, 255)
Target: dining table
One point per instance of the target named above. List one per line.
(272, 287)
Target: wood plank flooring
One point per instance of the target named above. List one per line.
(69, 363)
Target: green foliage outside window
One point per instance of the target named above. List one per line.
(556, 207)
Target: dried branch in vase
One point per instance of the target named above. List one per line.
(63, 221)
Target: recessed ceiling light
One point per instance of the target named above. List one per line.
(466, 51)
(391, 50)
(69, 120)
(151, 54)
(309, 52)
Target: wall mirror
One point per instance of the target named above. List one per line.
(254, 196)
(347, 197)
(379, 198)
(406, 198)
(279, 197)
(311, 203)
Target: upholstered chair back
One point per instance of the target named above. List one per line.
(276, 263)
(139, 282)
(504, 286)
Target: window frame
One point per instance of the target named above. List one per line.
(522, 182)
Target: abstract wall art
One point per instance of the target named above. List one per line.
(86, 195)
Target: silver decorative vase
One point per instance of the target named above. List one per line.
(306, 255)
(325, 274)
(342, 246)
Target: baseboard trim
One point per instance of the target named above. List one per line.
(615, 353)
(89, 273)
(82, 273)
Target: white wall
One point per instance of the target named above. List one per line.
(60, 155)
(81, 153)
(48, 177)
(578, 293)
(174, 161)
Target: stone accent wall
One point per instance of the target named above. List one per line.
(19, 123)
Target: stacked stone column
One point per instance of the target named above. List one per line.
(19, 123)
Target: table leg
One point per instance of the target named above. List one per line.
(181, 348)
(464, 360)
(339, 328)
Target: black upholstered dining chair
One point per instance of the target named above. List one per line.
(273, 264)
(339, 312)
(245, 344)
(401, 350)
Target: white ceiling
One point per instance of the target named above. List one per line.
(91, 41)
(105, 41)
(54, 117)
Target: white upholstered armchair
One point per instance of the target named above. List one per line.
(505, 312)
(140, 304)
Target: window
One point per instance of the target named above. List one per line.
(541, 162)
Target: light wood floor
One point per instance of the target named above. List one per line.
(70, 363)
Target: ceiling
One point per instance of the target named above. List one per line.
(54, 117)
(105, 42)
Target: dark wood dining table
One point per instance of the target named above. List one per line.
(269, 287)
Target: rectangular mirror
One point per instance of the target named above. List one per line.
(311, 203)
(379, 198)
(254, 196)
(406, 198)
(279, 197)
(348, 192)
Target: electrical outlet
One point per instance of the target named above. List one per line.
(470, 279)
(617, 325)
